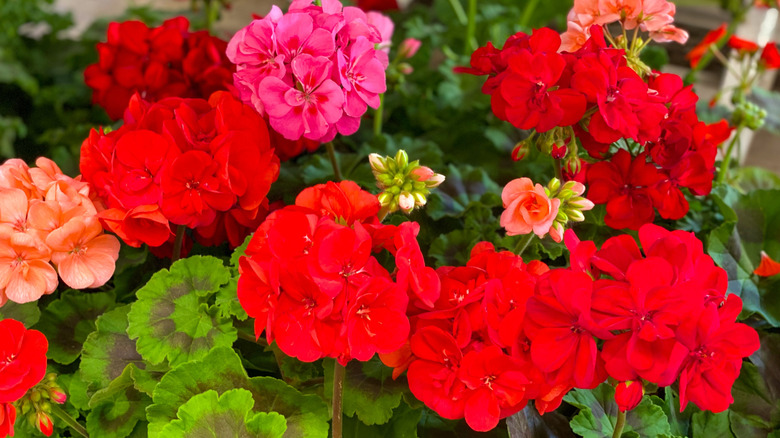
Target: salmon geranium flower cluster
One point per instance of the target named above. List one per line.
(48, 218)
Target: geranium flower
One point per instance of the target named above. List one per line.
(25, 272)
(377, 322)
(84, 256)
(713, 37)
(716, 344)
(767, 267)
(22, 361)
(528, 208)
(623, 184)
(7, 419)
(498, 384)
(308, 112)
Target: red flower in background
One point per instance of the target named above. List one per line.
(204, 164)
(695, 55)
(22, 360)
(770, 57)
(167, 61)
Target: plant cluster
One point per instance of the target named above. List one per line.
(555, 250)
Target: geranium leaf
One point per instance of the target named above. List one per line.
(117, 408)
(228, 416)
(227, 301)
(108, 350)
(221, 370)
(402, 424)
(463, 184)
(598, 414)
(736, 246)
(709, 425)
(237, 253)
(172, 318)
(27, 313)
(371, 393)
(68, 321)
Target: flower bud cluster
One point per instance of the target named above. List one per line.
(404, 185)
(36, 404)
(572, 202)
(748, 114)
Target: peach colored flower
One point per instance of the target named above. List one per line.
(575, 37)
(15, 173)
(13, 211)
(625, 11)
(528, 208)
(84, 256)
(25, 272)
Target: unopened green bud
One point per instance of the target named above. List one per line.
(565, 194)
(554, 185)
(575, 215)
(561, 217)
(385, 198)
(402, 159)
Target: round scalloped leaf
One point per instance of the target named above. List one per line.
(221, 370)
(369, 390)
(28, 313)
(117, 409)
(68, 321)
(108, 350)
(228, 416)
(172, 318)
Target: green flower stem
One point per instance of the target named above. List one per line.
(70, 421)
(378, 116)
(333, 161)
(724, 166)
(251, 338)
(338, 391)
(621, 422)
(558, 169)
(523, 243)
(212, 13)
(459, 12)
(471, 28)
(530, 7)
(180, 230)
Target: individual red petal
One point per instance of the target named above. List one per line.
(767, 267)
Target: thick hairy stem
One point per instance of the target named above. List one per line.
(333, 161)
(180, 230)
(621, 422)
(338, 392)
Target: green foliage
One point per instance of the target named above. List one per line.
(28, 313)
(221, 370)
(370, 393)
(116, 409)
(174, 317)
(229, 415)
(68, 321)
(750, 227)
(598, 414)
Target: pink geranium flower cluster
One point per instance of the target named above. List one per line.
(47, 217)
(653, 16)
(313, 71)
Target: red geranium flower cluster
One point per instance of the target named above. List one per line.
(204, 164)
(503, 332)
(22, 366)
(312, 284)
(668, 314)
(166, 61)
(596, 93)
